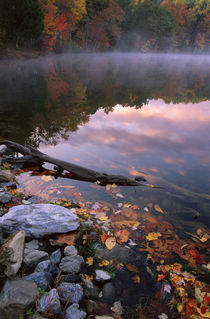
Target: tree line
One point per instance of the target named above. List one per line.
(129, 25)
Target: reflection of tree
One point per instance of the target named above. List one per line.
(51, 100)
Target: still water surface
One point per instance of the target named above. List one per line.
(123, 114)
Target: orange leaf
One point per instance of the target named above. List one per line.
(110, 243)
(132, 268)
(136, 279)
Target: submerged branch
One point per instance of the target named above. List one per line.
(33, 157)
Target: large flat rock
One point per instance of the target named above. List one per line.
(39, 220)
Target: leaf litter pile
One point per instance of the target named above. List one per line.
(178, 267)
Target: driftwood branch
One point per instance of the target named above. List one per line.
(33, 157)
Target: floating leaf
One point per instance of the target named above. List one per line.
(153, 236)
(132, 268)
(158, 209)
(108, 187)
(110, 243)
(136, 279)
(103, 218)
(124, 235)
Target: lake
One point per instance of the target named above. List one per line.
(129, 114)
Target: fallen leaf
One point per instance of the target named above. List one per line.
(64, 239)
(158, 209)
(132, 268)
(124, 235)
(103, 218)
(89, 261)
(153, 236)
(108, 187)
(136, 279)
(110, 243)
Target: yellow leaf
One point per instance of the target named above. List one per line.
(114, 185)
(136, 279)
(153, 236)
(89, 261)
(103, 218)
(158, 209)
(127, 205)
(87, 277)
(179, 307)
(104, 263)
(46, 178)
(110, 243)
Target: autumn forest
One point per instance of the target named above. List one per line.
(96, 25)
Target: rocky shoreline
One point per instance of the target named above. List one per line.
(41, 277)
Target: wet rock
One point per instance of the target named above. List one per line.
(50, 303)
(36, 244)
(11, 254)
(55, 257)
(97, 308)
(39, 220)
(123, 254)
(43, 280)
(87, 223)
(102, 276)
(71, 264)
(5, 197)
(43, 266)
(1, 212)
(16, 297)
(90, 306)
(33, 257)
(6, 176)
(70, 251)
(90, 290)
(73, 312)
(108, 293)
(71, 293)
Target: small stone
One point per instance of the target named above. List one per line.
(70, 278)
(9, 184)
(36, 244)
(55, 257)
(11, 254)
(70, 251)
(87, 223)
(5, 198)
(50, 303)
(43, 280)
(71, 264)
(73, 312)
(103, 317)
(43, 266)
(108, 293)
(90, 290)
(6, 176)
(16, 297)
(33, 257)
(102, 276)
(71, 293)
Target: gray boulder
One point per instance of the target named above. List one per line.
(73, 312)
(43, 280)
(90, 290)
(43, 266)
(11, 254)
(39, 220)
(71, 264)
(16, 297)
(71, 293)
(50, 303)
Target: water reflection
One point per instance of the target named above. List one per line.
(54, 96)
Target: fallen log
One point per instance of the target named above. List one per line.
(32, 156)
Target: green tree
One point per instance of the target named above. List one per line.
(21, 19)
